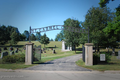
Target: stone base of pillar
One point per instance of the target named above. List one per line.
(29, 54)
(89, 54)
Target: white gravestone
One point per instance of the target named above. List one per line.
(118, 57)
(12, 53)
(3, 54)
(102, 57)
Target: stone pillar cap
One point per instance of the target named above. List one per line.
(29, 43)
(88, 44)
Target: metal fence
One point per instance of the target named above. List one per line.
(36, 53)
(83, 53)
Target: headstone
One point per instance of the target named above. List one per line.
(118, 57)
(11, 48)
(55, 46)
(3, 54)
(17, 48)
(5, 48)
(20, 50)
(12, 53)
(44, 51)
(41, 50)
(102, 57)
(51, 48)
(106, 47)
(39, 46)
(54, 51)
(16, 51)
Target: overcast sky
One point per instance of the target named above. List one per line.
(41, 13)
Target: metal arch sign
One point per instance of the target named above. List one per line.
(58, 27)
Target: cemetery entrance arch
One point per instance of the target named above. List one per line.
(29, 46)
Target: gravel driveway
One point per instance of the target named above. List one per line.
(62, 64)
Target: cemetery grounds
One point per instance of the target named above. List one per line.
(114, 64)
(48, 56)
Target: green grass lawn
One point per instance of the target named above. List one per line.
(114, 64)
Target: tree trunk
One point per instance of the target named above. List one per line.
(113, 51)
(108, 50)
(97, 48)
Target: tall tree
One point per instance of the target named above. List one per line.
(26, 33)
(84, 36)
(33, 37)
(113, 30)
(51, 40)
(3, 35)
(72, 38)
(96, 20)
(38, 35)
(56, 39)
(14, 38)
(6, 32)
(22, 37)
(44, 40)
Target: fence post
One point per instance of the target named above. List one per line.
(40, 52)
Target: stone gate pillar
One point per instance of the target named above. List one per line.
(89, 54)
(29, 54)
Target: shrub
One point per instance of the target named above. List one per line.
(14, 58)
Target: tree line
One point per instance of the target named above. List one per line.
(11, 35)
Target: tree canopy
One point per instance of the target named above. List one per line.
(38, 35)
(103, 3)
(96, 20)
(71, 38)
(44, 40)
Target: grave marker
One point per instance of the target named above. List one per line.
(5, 48)
(102, 57)
(118, 57)
(16, 51)
(54, 51)
(3, 54)
(12, 53)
